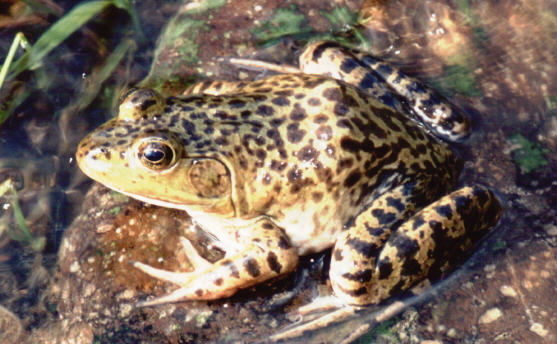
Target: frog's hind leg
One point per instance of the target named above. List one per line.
(369, 265)
(427, 245)
(388, 84)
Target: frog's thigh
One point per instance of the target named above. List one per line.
(426, 246)
(266, 253)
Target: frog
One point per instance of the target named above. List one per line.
(343, 153)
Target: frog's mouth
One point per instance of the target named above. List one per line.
(154, 201)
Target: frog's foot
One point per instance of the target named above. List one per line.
(314, 323)
(336, 314)
(181, 278)
(266, 254)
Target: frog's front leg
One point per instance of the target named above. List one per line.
(427, 245)
(266, 253)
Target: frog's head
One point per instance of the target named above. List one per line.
(138, 154)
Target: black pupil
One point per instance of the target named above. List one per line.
(154, 155)
(156, 152)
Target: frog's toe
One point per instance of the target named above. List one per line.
(320, 304)
(179, 278)
(182, 294)
(198, 262)
(312, 322)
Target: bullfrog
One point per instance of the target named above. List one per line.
(344, 153)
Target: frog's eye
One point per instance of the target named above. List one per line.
(156, 154)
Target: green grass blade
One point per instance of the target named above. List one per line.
(9, 58)
(57, 33)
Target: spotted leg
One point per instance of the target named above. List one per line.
(267, 253)
(428, 245)
(389, 84)
(369, 266)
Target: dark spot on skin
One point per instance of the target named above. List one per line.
(273, 262)
(281, 101)
(267, 225)
(221, 141)
(445, 211)
(406, 247)
(276, 122)
(344, 123)
(298, 113)
(199, 292)
(385, 69)
(242, 161)
(320, 119)
(345, 164)
(307, 153)
(314, 101)
(274, 135)
(352, 179)
(421, 149)
(284, 244)
(236, 103)
(348, 65)
(324, 132)
(320, 49)
(285, 93)
(218, 281)
(385, 268)
(333, 94)
(382, 217)
(325, 174)
(349, 144)
(367, 82)
(294, 134)
(357, 292)
(260, 154)
(278, 165)
(375, 232)
(364, 248)
(396, 203)
(411, 267)
(361, 276)
(267, 179)
(265, 110)
(199, 115)
(317, 196)
(147, 103)
(188, 126)
(252, 267)
(340, 109)
(462, 203)
(294, 174)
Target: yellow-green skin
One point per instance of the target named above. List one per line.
(297, 163)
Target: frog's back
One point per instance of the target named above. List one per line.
(314, 137)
